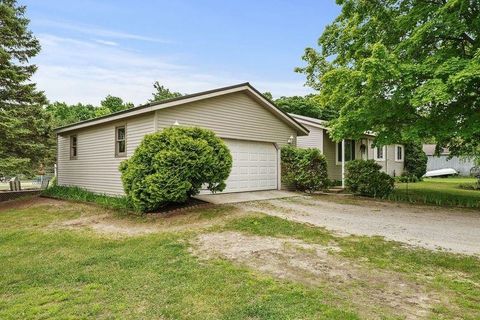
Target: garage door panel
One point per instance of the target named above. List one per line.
(254, 166)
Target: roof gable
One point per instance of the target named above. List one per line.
(150, 107)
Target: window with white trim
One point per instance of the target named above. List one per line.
(120, 141)
(349, 151)
(73, 147)
(379, 153)
(399, 153)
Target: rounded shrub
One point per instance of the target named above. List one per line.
(363, 177)
(172, 165)
(304, 169)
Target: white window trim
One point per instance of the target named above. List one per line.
(396, 153)
(71, 137)
(338, 163)
(117, 153)
(375, 153)
(336, 155)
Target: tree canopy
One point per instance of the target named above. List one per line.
(163, 93)
(24, 125)
(303, 105)
(306, 106)
(63, 114)
(406, 69)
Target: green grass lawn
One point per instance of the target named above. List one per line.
(61, 260)
(439, 191)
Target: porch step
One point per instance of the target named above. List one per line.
(335, 190)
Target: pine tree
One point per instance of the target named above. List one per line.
(25, 133)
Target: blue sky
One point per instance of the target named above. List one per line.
(94, 48)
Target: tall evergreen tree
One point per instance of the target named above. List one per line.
(24, 125)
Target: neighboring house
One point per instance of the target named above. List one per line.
(443, 161)
(90, 152)
(390, 157)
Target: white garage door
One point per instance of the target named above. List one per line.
(254, 166)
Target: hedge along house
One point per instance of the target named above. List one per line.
(90, 152)
(390, 157)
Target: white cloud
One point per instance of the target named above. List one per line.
(97, 31)
(107, 43)
(73, 71)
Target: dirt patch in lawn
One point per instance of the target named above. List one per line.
(104, 224)
(28, 202)
(372, 292)
(109, 223)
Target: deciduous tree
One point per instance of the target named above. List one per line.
(163, 93)
(406, 69)
(306, 106)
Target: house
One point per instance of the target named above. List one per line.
(444, 161)
(390, 157)
(90, 152)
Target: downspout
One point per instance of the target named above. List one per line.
(279, 166)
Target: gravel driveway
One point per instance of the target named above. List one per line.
(453, 230)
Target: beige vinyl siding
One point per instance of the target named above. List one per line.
(232, 116)
(334, 173)
(96, 167)
(390, 166)
(313, 140)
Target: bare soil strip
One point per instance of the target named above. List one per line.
(370, 291)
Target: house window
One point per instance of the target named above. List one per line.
(399, 153)
(380, 153)
(349, 151)
(120, 142)
(73, 147)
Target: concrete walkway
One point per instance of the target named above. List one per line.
(235, 197)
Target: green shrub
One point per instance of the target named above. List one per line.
(304, 169)
(334, 183)
(470, 186)
(405, 177)
(363, 177)
(79, 194)
(415, 160)
(172, 165)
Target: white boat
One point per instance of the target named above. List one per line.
(441, 172)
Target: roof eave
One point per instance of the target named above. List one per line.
(150, 107)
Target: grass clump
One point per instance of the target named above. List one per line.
(470, 186)
(79, 194)
(277, 227)
(438, 191)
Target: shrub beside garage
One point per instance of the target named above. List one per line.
(304, 169)
(172, 165)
